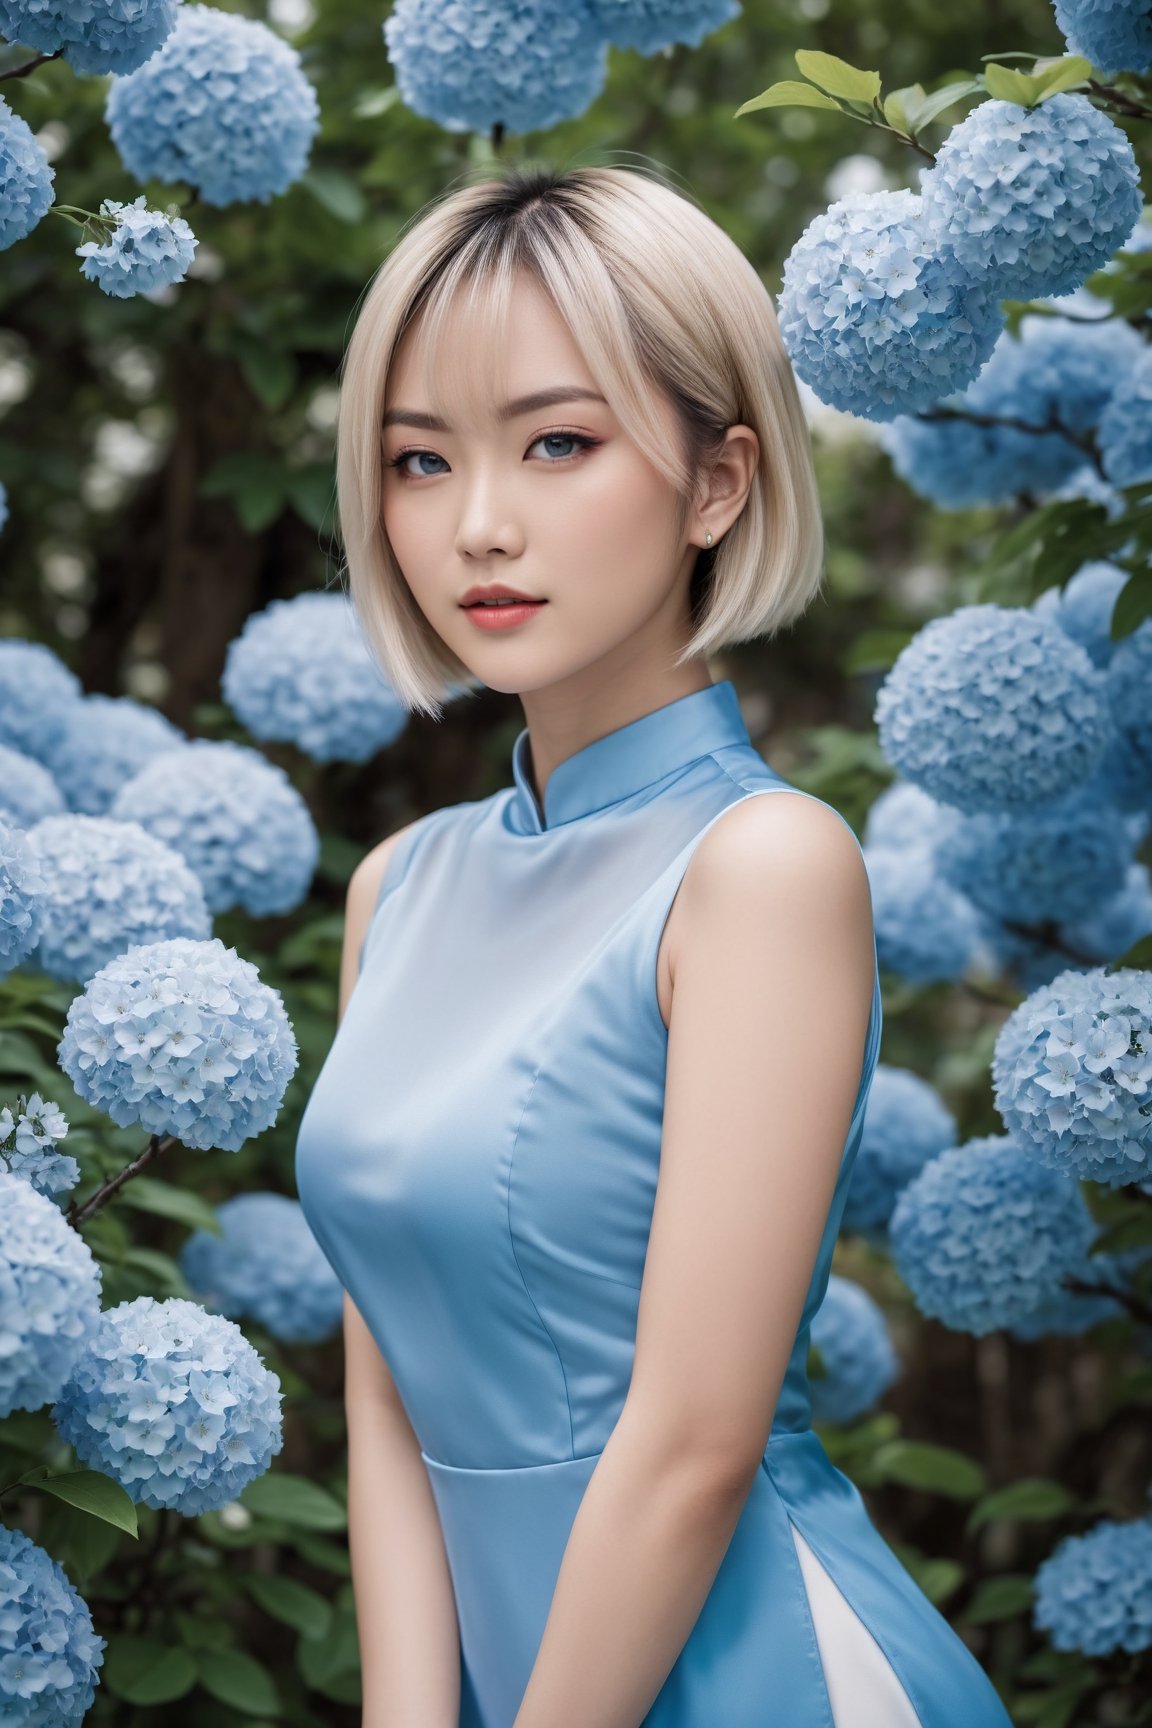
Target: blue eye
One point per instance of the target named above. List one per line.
(578, 438)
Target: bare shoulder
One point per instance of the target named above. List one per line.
(788, 860)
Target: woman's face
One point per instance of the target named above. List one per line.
(553, 501)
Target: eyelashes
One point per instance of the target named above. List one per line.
(584, 442)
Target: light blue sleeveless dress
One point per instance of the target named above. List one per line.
(478, 1160)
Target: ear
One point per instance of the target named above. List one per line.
(729, 481)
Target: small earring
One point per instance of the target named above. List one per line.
(708, 538)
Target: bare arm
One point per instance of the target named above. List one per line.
(405, 1607)
(772, 987)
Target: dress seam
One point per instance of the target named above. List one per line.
(545, 1328)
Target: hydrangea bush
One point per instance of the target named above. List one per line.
(267, 1266)
(50, 1653)
(36, 690)
(1083, 607)
(1115, 35)
(94, 35)
(182, 1038)
(22, 903)
(173, 1403)
(26, 178)
(50, 1288)
(926, 931)
(1094, 1592)
(858, 1359)
(104, 741)
(107, 885)
(28, 1146)
(650, 25)
(28, 790)
(145, 249)
(906, 1122)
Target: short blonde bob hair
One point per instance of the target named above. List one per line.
(662, 304)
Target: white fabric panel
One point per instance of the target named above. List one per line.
(862, 1685)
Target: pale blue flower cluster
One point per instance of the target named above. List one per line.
(21, 897)
(651, 25)
(28, 1146)
(95, 35)
(926, 932)
(1128, 680)
(858, 1359)
(1032, 200)
(478, 63)
(1056, 862)
(35, 689)
(27, 790)
(906, 1122)
(1097, 939)
(1125, 432)
(991, 708)
(26, 178)
(1054, 374)
(873, 319)
(1094, 1592)
(300, 671)
(235, 817)
(107, 885)
(223, 105)
(985, 1232)
(1083, 607)
(268, 1267)
(105, 740)
(50, 1653)
(1115, 35)
(3, 505)
(183, 1038)
(174, 1404)
(147, 249)
(49, 1296)
(904, 815)
(1072, 1073)
(1070, 1313)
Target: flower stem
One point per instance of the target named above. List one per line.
(31, 65)
(77, 1215)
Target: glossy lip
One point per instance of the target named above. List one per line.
(498, 591)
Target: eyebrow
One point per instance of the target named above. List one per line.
(506, 411)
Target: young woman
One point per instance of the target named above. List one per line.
(579, 1151)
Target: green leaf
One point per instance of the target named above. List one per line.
(1139, 955)
(270, 372)
(143, 1671)
(938, 1579)
(288, 1600)
(936, 1468)
(312, 493)
(164, 1200)
(93, 1493)
(1008, 86)
(337, 193)
(789, 93)
(837, 76)
(999, 1599)
(239, 1680)
(896, 111)
(946, 97)
(1125, 1234)
(1133, 605)
(1032, 1498)
(1062, 73)
(256, 484)
(294, 1500)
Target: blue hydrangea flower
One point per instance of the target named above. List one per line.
(234, 816)
(1055, 373)
(1070, 1313)
(906, 1122)
(991, 708)
(49, 1297)
(3, 504)
(300, 671)
(1125, 430)
(174, 1404)
(267, 1266)
(1116, 35)
(873, 319)
(926, 931)
(146, 250)
(95, 35)
(1128, 681)
(182, 1038)
(105, 740)
(1094, 1592)
(1032, 200)
(50, 1653)
(1099, 939)
(652, 25)
(1072, 1071)
(223, 105)
(26, 178)
(904, 815)
(1053, 863)
(109, 884)
(522, 64)
(35, 689)
(28, 1146)
(985, 1232)
(857, 1357)
(27, 790)
(21, 898)
(1083, 607)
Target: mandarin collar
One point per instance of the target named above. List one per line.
(627, 760)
